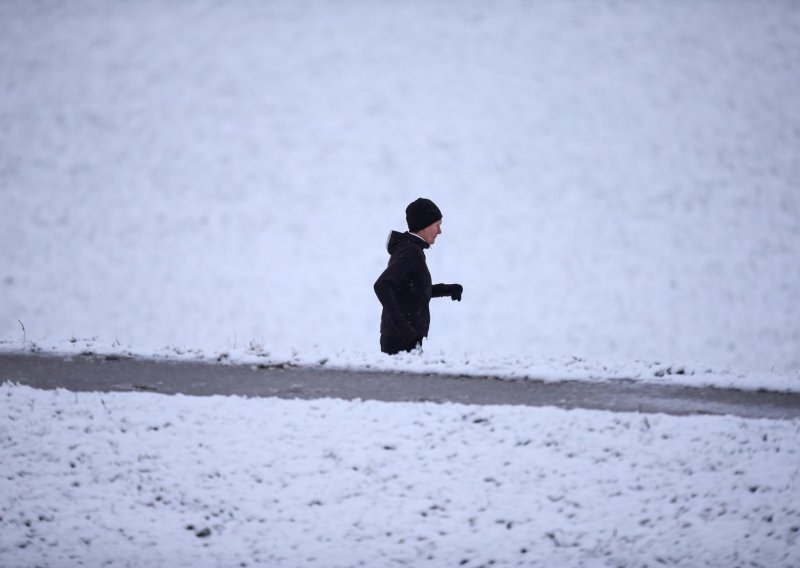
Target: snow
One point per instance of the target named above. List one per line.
(143, 479)
(618, 180)
(212, 180)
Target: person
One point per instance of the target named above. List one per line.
(405, 288)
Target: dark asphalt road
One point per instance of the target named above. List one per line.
(111, 374)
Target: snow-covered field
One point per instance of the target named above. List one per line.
(619, 180)
(151, 480)
(210, 179)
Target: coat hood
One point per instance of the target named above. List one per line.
(397, 239)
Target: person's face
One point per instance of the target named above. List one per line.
(430, 232)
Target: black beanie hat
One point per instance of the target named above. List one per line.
(421, 213)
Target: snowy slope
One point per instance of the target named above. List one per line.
(140, 479)
(619, 180)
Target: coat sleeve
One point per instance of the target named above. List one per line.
(440, 290)
(387, 285)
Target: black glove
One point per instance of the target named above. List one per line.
(455, 290)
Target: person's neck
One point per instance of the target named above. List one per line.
(419, 237)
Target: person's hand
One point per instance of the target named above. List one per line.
(455, 291)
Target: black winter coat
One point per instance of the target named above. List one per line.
(405, 290)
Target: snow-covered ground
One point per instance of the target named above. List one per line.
(150, 480)
(619, 180)
(210, 179)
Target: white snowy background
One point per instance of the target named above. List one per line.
(619, 182)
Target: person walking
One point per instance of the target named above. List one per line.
(405, 288)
